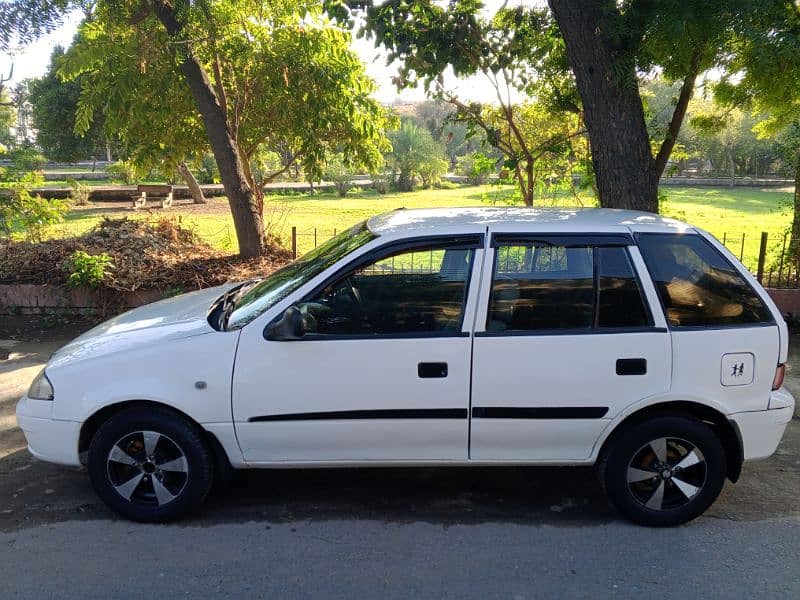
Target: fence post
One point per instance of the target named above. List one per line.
(762, 255)
(741, 252)
(294, 242)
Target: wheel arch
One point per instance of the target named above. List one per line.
(96, 420)
(725, 429)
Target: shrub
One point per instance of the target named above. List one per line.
(431, 171)
(87, 270)
(123, 171)
(26, 159)
(31, 214)
(80, 192)
(340, 174)
(380, 182)
(207, 170)
(476, 167)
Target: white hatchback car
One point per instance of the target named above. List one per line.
(437, 337)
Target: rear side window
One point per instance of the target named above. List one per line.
(540, 287)
(697, 285)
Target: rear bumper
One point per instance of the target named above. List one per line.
(761, 431)
(49, 439)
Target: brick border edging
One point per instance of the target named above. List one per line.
(33, 299)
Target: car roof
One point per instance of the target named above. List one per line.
(434, 221)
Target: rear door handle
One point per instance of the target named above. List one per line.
(631, 366)
(428, 370)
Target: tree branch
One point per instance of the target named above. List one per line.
(687, 89)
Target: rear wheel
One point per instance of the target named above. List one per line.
(665, 471)
(150, 465)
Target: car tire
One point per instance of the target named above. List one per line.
(150, 465)
(664, 471)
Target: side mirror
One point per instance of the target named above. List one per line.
(289, 327)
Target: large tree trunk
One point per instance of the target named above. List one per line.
(245, 207)
(623, 162)
(194, 188)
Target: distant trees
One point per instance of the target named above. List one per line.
(174, 79)
(55, 103)
(415, 154)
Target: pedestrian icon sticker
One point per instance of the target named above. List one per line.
(737, 369)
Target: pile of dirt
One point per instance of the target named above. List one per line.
(160, 254)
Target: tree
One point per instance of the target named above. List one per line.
(55, 103)
(8, 117)
(763, 73)
(600, 47)
(413, 152)
(429, 39)
(249, 74)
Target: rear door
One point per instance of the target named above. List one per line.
(726, 343)
(566, 341)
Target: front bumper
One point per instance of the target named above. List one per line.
(49, 439)
(761, 431)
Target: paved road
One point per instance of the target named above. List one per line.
(505, 533)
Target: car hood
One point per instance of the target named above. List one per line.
(174, 318)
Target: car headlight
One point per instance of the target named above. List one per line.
(41, 388)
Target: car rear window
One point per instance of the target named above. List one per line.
(697, 285)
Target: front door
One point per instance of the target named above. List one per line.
(382, 373)
(569, 342)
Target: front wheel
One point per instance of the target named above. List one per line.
(664, 471)
(150, 465)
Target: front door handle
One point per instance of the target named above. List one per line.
(428, 370)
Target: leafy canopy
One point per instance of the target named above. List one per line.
(284, 74)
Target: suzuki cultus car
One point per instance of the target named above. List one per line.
(493, 336)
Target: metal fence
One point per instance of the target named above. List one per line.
(765, 254)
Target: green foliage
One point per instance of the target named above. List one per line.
(32, 215)
(87, 270)
(26, 159)
(207, 171)
(431, 172)
(380, 181)
(123, 171)
(79, 194)
(476, 167)
(341, 175)
(288, 80)
(8, 116)
(55, 103)
(414, 152)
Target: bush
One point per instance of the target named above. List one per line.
(476, 167)
(207, 170)
(431, 171)
(30, 214)
(340, 174)
(123, 171)
(380, 182)
(24, 160)
(87, 270)
(80, 192)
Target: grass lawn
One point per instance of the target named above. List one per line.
(725, 212)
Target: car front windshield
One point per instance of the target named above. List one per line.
(258, 298)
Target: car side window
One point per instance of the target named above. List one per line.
(620, 302)
(539, 287)
(697, 285)
(418, 291)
